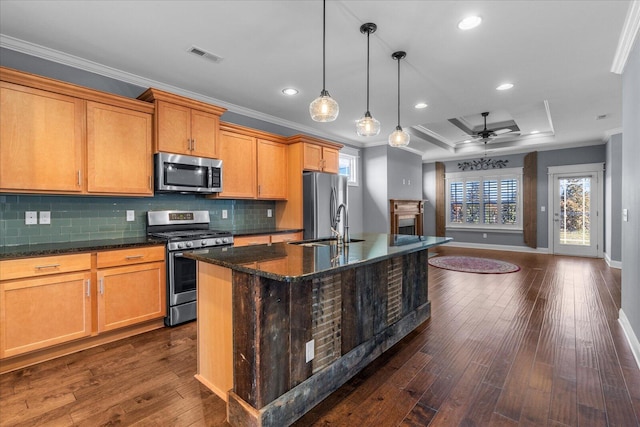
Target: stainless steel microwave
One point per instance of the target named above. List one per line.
(178, 173)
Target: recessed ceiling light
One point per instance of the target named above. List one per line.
(290, 91)
(469, 22)
(505, 86)
(533, 132)
(421, 105)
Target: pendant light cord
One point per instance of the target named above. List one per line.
(368, 34)
(324, 13)
(399, 92)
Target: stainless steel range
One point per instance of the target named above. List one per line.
(184, 231)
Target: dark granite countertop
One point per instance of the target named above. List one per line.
(48, 249)
(258, 231)
(291, 262)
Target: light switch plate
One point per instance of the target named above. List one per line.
(224, 214)
(45, 217)
(310, 350)
(131, 216)
(269, 213)
(31, 217)
(543, 208)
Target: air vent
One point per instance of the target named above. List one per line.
(204, 54)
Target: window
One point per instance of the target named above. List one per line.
(348, 165)
(485, 199)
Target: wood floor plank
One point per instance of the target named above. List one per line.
(542, 346)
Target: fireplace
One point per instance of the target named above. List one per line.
(406, 216)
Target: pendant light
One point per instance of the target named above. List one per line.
(398, 137)
(367, 125)
(324, 108)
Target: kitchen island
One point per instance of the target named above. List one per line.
(282, 326)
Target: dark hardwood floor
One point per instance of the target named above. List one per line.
(538, 347)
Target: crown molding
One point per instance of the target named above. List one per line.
(628, 36)
(59, 57)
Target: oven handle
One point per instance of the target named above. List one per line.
(181, 254)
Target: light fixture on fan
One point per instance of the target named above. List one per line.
(399, 137)
(324, 108)
(367, 125)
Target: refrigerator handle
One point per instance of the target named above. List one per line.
(333, 208)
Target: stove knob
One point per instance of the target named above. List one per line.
(180, 245)
(203, 243)
(189, 244)
(225, 240)
(218, 241)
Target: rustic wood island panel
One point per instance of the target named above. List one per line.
(349, 304)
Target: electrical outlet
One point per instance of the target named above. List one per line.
(131, 216)
(484, 235)
(45, 217)
(30, 217)
(625, 215)
(269, 213)
(224, 214)
(310, 350)
(543, 208)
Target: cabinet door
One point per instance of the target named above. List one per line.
(37, 313)
(286, 237)
(41, 140)
(131, 294)
(173, 128)
(262, 239)
(272, 170)
(330, 160)
(312, 157)
(204, 131)
(238, 155)
(119, 152)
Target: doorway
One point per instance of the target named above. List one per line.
(575, 211)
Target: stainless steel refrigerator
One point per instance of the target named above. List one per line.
(323, 193)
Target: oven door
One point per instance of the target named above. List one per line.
(181, 279)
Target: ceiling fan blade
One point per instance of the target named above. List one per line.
(502, 131)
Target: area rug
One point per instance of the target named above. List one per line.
(470, 264)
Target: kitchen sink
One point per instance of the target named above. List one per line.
(321, 242)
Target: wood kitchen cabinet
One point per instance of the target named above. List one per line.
(320, 158)
(263, 239)
(183, 125)
(44, 301)
(41, 140)
(131, 287)
(253, 167)
(119, 150)
(59, 138)
(56, 305)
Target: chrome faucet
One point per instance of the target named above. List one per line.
(345, 238)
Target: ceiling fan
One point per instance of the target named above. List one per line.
(486, 135)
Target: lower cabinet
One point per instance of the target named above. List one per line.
(263, 239)
(48, 301)
(131, 294)
(41, 312)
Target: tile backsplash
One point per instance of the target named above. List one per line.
(76, 218)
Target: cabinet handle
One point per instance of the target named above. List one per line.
(189, 144)
(258, 189)
(193, 145)
(79, 178)
(40, 267)
(101, 283)
(150, 182)
(88, 287)
(130, 257)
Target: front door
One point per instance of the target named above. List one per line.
(576, 219)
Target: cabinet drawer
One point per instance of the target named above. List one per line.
(286, 237)
(130, 256)
(251, 240)
(42, 266)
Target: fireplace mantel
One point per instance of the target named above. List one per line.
(406, 216)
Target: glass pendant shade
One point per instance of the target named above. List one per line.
(399, 138)
(367, 125)
(324, 108)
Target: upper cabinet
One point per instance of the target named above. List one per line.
(59, 138)
(254, 164)
(183, 125)
(318, 155)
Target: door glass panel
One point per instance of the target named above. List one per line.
(575, 208)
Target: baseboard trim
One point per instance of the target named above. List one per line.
(612, 264)
(499, 247)
(631, 336)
